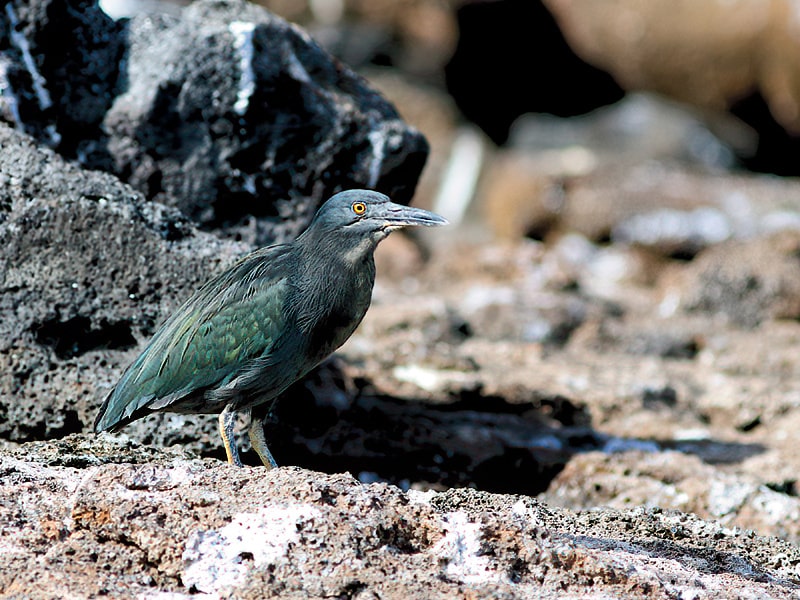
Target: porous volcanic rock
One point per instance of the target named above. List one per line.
(88, 268)
(227, 112)
(179, 526)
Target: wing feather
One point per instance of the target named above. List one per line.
(234, 319)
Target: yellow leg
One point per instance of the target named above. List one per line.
(259, 442)
(227, 421)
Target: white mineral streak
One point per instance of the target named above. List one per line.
(460, 176)
(296, 68)
(219, 560)
(377, 137)
(21, 42)
(421, 497)
(521, 509)
(243, 44)
(250, 183)
(460, 548)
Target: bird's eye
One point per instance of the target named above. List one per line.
(359, 208)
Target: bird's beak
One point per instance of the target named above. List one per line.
(395, 216)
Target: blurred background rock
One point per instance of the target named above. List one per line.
(637, 159)
(521, 100)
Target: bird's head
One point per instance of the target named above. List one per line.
(366, 217)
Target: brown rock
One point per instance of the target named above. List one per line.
(518, 199)
(705, 53)
(179, 526)
(746, 282)
(675, 481)
(673, 210)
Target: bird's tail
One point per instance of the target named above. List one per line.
(106, 420)
(116, 412)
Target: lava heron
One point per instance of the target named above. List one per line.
(252, 331)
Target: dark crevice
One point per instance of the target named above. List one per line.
(71, 423)
(45, 430)
(777, 149)
(352, 590)
(76, 336)
(474, 441)
(496, 42)
(787, 486)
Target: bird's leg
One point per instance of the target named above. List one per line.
(227, 421)
(257, 439)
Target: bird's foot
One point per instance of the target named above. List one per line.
(227, 422)
(259, 442)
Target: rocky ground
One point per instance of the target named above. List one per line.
(159, 524)
(585, 387)
(513, 419)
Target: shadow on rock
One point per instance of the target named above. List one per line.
(333, 424)
(714, 452)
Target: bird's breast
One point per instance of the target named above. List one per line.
(334, 328)
(335, 310)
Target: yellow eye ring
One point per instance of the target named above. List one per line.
(359, 208)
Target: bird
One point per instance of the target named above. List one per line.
(256, 328)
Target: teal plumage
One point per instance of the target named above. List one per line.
(211, 338)
(252, 331)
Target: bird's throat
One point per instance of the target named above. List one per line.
(354, 254)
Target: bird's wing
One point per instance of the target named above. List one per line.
(235, 318)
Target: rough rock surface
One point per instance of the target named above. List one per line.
(88, 268)
(60, 69)
(77, 523)
(228, 112)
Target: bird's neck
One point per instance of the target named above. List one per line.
(338, 273)
(327, 250)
